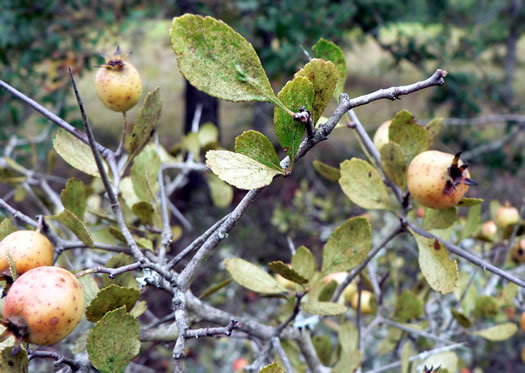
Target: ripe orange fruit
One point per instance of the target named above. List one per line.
(28, 249)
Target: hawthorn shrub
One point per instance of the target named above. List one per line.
(399, 286)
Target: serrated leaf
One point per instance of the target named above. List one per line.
(144, 174)
(363, 184)
(324, 308)
(146, 123)
(109, 299)
(89, 287)
(440, 272)
(326, 171)
(499, 332)
(219, 61)
(447, 360)
(287, 272)
(323, 76)
(239, 170)
(6, 228)
(433, 128)
(439, 218)
(329, 51)
(347, 246)
(462, 320)
(258, 147)
(348, 337)
(394, 162)
(349, 362)
(144, 212)
(303, 262)
(467, 202)
(10, 363)
(12, 267)
(76, 153)
(295, 94)
(126, 279)
(208, 134)
(221, 192)
(75, 225)
(323, 348)
(139, 308)
(408, 134)
(114, 341)
(272, 368)
(252, 277)
(73, 197)
(408, 307)
(214, 288)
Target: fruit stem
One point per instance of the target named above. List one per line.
(118, 153)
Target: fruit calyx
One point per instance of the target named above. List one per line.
(456, 174)
(115, 62)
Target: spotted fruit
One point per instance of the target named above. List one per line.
(28, 249)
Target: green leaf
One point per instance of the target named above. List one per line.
(324, 308)
(363, 184)
(139, 308)
(433, 128)
(349, 362)
(406, 351)
(6, 228)
(272, 368)
(323, 348)
(76, 153)
(295, 94)
(303, 262)
(287, 272)
(329, 51)
(214, 288)
(462, 320)
(17, 363)
(446, 361)
(109, 299)
(220, 192)
(208, 134)
(114, 341)
(408, 307)
(510, 291)
(258, 147)
(144, 211)
(347, 246)
(73, 197)
(219, 61)
(252, 277)
(12, 267)
(126, 279)
(348, 337)
(144, 174)
(146, 124)
(499, 332)
(408, 134)
(75, 225)
(239, 170)
(323, 76)
(326, 171)
(439, 218)
(467, 202)
(327, 292)
(128, 192)
(394, 162)
(440, 272)
(89, 287)
(486, 307)
(473, 222)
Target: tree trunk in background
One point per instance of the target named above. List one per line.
(194, 98)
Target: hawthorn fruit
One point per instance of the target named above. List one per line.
(438, 180)
(118, 83)
(44, 305)
(28, 249)
(367, 301)
(381, 135)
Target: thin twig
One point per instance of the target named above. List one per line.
(276, 344)
(59, 359)
(212, 332)
(112, 272)
(410, 330)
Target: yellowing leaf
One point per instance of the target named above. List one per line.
(329, 51)
(440, 272)
(73, 197)
(412, 137)
(363, 184)
(394, 162)
(258, 147)
(447, 360)
(272, 368)
(439, 218)
(303, 262)
(324, 308)
(221, 192)
(499, 332)
(239, 170)
(252, 277)
(326, 171)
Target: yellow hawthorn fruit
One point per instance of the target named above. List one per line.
(381, 135)
(489, 230)
(339, 277)
(518, 251)
(367, 300)
(44, 305)
(118, 83)
(522, 321)
(28, 249)
(507, 216)
(438, 180)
